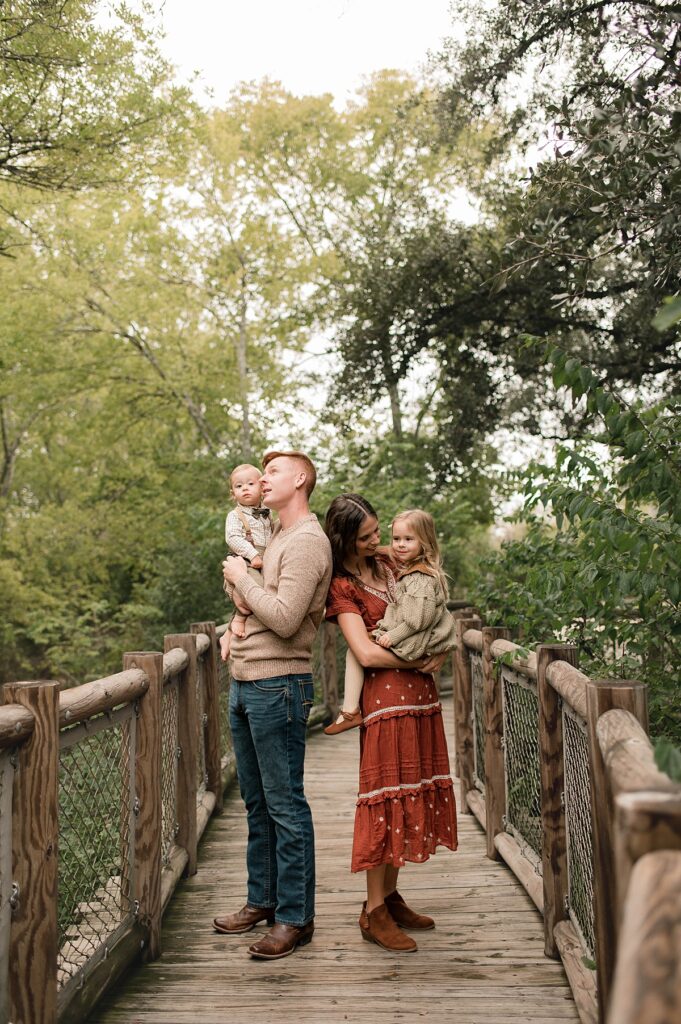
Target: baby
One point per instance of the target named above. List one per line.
(417, 623)
(248, 529)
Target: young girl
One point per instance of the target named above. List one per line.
(417, 623)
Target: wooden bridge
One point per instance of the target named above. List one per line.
(569, 859)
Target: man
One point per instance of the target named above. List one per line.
(270, 699)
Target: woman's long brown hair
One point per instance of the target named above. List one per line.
(344, 517)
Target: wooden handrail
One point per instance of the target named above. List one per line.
(472, 638)
(647, 981)
(16, 724)
(570, 683)
(628, 755)
(202, 643)
(175, 661)
(524, 663)
(90, 699)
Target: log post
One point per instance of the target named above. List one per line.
(35, 835)
(147, 840)
(463, 711)
(211, 708)
(647, 982)
(645, 822)
(602, 696)
(552, 776)
(187, 714)
(493, 702)
(329, 664)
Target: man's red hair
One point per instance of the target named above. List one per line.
(306, 464)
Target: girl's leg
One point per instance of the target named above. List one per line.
(352, 689)
(354, 680)
(349, 717)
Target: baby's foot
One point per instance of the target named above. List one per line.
(225, 643)
(238, 626)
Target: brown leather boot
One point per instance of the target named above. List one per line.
(405, 916)
(243, 920)
(281, 940)
(381, 929)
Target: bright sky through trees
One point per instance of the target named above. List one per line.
(311, 46)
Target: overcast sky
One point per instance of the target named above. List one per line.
(311, 46)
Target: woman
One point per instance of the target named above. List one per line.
(405, 806)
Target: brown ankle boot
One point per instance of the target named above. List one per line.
(405, 916)
(379, 927)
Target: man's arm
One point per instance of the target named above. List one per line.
(299, 577)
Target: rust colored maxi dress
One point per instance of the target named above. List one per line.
(405, 806)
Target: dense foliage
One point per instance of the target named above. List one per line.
(183, 289)
(600, 562)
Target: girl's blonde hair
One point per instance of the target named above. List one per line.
(423, 525)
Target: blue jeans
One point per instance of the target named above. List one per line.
(268, 720)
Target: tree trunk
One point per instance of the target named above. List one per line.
(242, 367)
(395, 409)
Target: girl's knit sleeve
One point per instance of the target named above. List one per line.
(417, 606)
(342, 597)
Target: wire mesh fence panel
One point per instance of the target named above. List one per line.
(170, 752)
(223, 707)
(478, 721)
(96, 814)
(201, 777)
(579, 828)
(6, 786)
(521, 761)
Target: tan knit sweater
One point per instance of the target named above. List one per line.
(418, 620)
(287, 607)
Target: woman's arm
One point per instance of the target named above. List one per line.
(369, 654)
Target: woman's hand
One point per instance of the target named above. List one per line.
(433, 663)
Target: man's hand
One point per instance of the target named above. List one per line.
(384, 640)
(434, 663)
(234, 569)
(256, 563)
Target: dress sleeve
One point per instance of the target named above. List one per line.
(342, 597)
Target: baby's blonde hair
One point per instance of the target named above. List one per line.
(239, 469)
(423, 525)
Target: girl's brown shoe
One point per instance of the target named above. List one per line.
(351, 719)
(405, 916)
(379, 927)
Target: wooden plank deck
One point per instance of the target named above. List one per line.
(483, 963)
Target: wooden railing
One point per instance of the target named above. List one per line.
(105, 790)
(559, 771)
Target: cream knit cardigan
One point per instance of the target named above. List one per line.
(418, 621)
